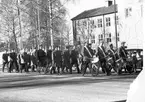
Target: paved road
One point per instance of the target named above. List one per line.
(32, 87)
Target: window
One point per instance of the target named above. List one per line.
(108, 23)
(117, 20)
(128, 12)
(99, 23)
(78, 23)
(93, 39)
(108, 37)
(100, 38)
(84, 23)
(93, 24)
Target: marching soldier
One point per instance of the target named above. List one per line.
(13, 60)
(49, 57)
(88, 54)
(123, 55)
(111, 53)
(34, 59)
(122, 51)
(102, 58)
(27, 59)
(58, 59)
(41, 56)
(74, 58)
(5, 60)
(22, 64)
(67, 59)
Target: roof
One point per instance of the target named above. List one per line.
(96, 12)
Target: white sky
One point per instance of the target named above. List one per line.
(81, 5)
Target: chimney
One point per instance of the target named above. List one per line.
(110, 2)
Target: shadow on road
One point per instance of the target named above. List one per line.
(34, 81)
(120, 101)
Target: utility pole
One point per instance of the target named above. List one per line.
(88, 31)
(104, 29)
(115, 24)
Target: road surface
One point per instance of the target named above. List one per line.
(33, 87)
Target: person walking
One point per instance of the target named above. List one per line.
(102, 58)
(74, 59)
(67, 59)
(88, 55)
(123, 55)
(111, 53)
(122, 51)
(5, 59)
(13, 61)
(58, 59)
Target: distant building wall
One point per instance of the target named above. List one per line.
(131, 14)
(93, 30)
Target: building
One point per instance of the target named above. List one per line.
(96, 25)
(131, 19)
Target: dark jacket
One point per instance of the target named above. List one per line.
(20, 58)
(27, 58)
(74, 55)
(13, 56)
(86, 53)
(5, 57)
(66, 56)
(41, 54)
(111, 53)
(49, 54)
(101, 52)
(58, 57)
(122, 52)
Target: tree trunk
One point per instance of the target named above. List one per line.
(38, 14)
(50, 26)
(21, 43)
(15, 38)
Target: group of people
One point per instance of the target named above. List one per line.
(62, 61)
(58, 61)
(103, 54)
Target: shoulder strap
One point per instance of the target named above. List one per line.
(112, 51)
(88, 51)
(102, 51)
(124, 52)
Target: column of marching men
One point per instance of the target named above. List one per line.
(78, 56)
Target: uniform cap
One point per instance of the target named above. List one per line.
(123, 42)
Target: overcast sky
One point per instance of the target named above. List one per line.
(81, 5)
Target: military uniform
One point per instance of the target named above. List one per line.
(58, 59)
(27, 59)
(49, 56)
(13, 57)
(41, 57)
(74, 59)
(34, 59)
(67, 60)
(22, 64)
(88, 54)
(102, 58)
(111, 53)
(122, 53)
(5, 60)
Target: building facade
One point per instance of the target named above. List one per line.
(131, 19)
(97, 25)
